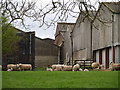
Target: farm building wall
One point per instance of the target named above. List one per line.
(81, 37)
(101, 40)
(107, 32)
(64, 31)
(46, 53)
(106, 38)
(26, 53)
(67, 44)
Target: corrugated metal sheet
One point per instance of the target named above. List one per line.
(59, 40)
(80, 55)
(106, 31)
(82, 36)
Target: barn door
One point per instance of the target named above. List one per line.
(107, 58)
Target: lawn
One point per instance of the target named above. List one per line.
(60, 79)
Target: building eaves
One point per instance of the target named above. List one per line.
(65, 23)
(62, 27)
(109, 6)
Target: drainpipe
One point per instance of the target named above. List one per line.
(71, 47)
(112, 36)
(58, 55)
(91, 40)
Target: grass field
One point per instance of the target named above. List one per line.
(60, 79)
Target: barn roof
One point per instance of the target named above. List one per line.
(114, 7)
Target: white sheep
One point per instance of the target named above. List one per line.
(57, 67)
(86, 70)
(101, 67)
(95, 65)
(11, 69)
(53, 67)
(67, 68)
(115, 66)
(76, 67)
(80, 69)
(49, 69)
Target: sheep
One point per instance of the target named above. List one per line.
(57, 67)
(101, 67)
(95, 65)
(10, 69)
(49, 69)
(80, 69)
(115, 66)
(53, 67)
(76, 67)
(25, 67)
(67, 68)
(86, 70)
(13, 66)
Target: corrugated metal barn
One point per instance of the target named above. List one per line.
(106, 40)
(99, 41)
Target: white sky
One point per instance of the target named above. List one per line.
(49, 33)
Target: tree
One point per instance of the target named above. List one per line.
(59, 9)
(9, 38)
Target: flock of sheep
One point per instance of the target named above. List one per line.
(59, 67)
(19, 67)
(76, 67)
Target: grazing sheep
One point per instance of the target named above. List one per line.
(57, 67)
(53, 67)
(10, 69)
(86, 70)
(95, 65)
(76, 67)
(25, 67)
(67, 68)
(115, 66)
(101, 67)
(49, 69)
(13, 66)
(80, 69)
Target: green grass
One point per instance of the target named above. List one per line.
(40, 69)
(60, 79)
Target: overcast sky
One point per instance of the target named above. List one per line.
(49, 33)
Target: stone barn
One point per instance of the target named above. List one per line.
(46, 53)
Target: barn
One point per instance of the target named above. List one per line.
(97, 42)
(106, 40)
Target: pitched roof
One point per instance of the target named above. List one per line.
(114, 7)
(62, 27)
